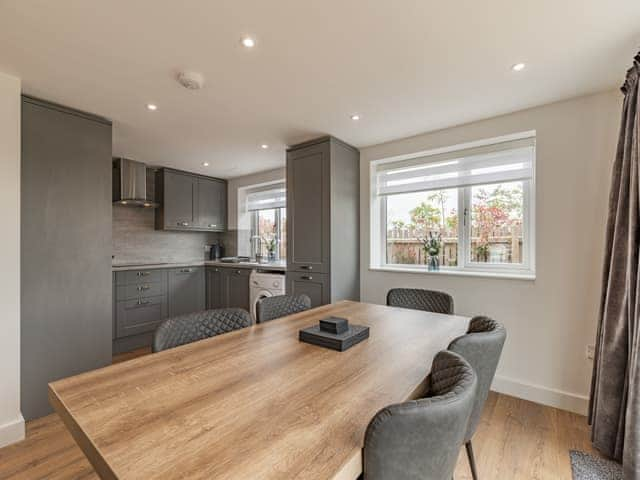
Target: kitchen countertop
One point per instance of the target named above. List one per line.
(277, 266)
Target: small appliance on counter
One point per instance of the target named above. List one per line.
(217, 251)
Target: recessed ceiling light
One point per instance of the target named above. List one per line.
(248, 42)
(518, 67)
(205, 164)
(264, 146)
(355, 117)
(152, 106)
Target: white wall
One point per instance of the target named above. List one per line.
(552, 319)
(240, 225)
(11, 421)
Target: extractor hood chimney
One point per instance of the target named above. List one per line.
(130, 183)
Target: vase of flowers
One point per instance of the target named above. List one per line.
(271, 246)
(431, 246)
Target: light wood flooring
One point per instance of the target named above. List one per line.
(516, 440)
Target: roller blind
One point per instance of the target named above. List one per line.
(274, 197)
(502, 162)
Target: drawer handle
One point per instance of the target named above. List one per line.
(185, 270)
(142, 288)
(306, 267)
(183, 224)
(213, 225)
(306, 277)
(143, 274)
(144, 302)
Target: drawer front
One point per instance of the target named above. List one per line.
(316, 286)
(140, 315)
(142, 290)
(133, 277)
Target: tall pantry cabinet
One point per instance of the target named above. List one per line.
(323, 221)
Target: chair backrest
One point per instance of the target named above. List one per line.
(270, 308)
(418, 299)
(422, 438)
(481, 346)
(196, 326)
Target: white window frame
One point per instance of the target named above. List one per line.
(378, 227)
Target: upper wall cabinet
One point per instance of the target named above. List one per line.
(212, 192)
(190, 202)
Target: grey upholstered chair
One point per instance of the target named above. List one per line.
(196, 326)
(481, 347)
(421, 439)
(270, 308)
(418, 299)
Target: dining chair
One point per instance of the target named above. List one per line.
(418, 299)
(481, 346)
(270, 308)
(421, 438)
(192, 327)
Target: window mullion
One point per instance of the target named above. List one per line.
(466, 234)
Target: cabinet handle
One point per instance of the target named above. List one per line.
(212, 225)
(183, 224)
(143, 274)
(144, 302)
(238, 272)
(306, 277)
(142, 288)
(185, 270)
(306, 267)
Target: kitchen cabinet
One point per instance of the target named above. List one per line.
(214, 288)
(190, 202)
(186, 290)
(178, 200)
(323, 220)
(315, 285)
(235, 288)
(65, 195)
(228, 287)
(144, 298)
(308, 208)
(141, 315)
(212, 204)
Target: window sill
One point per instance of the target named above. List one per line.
(458, 273)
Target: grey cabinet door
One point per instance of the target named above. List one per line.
(66, 246)
(180, 200)
(186, 290)
(308, 208)
(214, 288)
(212, 204)
(315, 285)
(235, 287)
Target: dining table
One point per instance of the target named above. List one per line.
(255, 403)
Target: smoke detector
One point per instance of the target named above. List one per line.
(191, 80)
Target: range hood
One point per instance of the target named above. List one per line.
(130, 183)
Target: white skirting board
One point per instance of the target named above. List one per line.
(12, 432)
(544, 395)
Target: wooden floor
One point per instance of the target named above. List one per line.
(516, 440)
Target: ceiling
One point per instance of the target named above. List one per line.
(406, 66)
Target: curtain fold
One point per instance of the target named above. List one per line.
(614, 407)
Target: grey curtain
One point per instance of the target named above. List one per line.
(614, 409)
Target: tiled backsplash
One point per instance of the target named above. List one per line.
(135, 239)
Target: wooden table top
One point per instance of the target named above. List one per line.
(255, 403)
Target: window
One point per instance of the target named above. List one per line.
(467, 209)
(268, 213)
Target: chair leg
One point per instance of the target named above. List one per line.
(472, 460)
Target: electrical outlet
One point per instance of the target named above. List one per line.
(591, 351)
